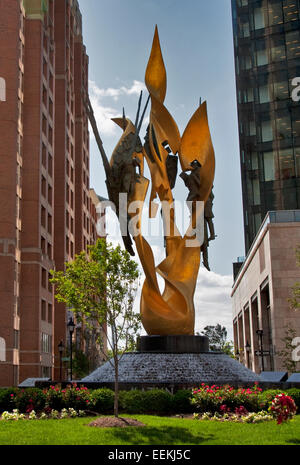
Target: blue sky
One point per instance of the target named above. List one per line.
(197, 46)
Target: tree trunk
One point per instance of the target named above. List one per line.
(116, 402)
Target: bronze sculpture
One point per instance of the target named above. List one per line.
(172, 311)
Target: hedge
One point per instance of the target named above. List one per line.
(156, 401)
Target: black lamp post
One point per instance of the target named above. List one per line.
(61, 348)
(260, 333)
(71, 326)
(248, 348)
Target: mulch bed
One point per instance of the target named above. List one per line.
(112, 422)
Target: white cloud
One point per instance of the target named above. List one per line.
(104, 112)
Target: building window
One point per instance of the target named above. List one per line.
(2, 350)
(259, 18)
(266, 131)
(292, 45)
(262, 57)
(275, 13)
(269, 166)
(278, 51)
(252, 128)
(257, 222)
(290, 10)
(264, 94)
(44, 278)
(283, 128)
(281, 90)
(43, 311)
(49, 313)
(46, 343)
(46, 372)
(256, 192)
(297, 161)
(286, 163)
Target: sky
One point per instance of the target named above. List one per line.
(197, 46)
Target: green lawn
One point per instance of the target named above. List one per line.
(158, 431)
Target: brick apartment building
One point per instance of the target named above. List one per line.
(47, 210)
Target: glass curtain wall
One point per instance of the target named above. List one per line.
(267, 59)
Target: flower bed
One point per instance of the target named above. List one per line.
(254, 417)
(218, 398)
(15, 415)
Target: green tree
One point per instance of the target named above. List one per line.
(286, 353)
(217, 337)
(295, 300)
(100, 287)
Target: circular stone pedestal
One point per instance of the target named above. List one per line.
(161, 363)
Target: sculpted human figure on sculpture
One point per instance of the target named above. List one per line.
(172, 311)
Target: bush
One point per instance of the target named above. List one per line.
(295, 394)
(181, 401)
(212, 398)
(30, 399)
(103, 400)
(132, 401)
(158, 401)
(7, 399)
(70, 397)
(152, 401)
(267, 396)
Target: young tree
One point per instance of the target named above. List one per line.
(295, 300)
(286, 353)
(217, 337)
(100, 287)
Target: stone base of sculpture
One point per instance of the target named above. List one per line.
(166, 362)
(173, 344)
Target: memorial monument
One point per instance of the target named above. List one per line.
(169, 316)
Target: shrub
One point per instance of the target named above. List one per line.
(133, 401)
(295, 394)
(267, 396)
(152, 401)
(30, 399)
(211, 398)
(54, 398)
(181, 401)
(7, 399)
(103, 400)
(283, 408)
(76, 397)
(158, 401)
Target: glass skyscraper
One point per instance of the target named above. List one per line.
(267, 59)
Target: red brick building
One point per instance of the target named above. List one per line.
(47, 214)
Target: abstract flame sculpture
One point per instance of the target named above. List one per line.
(171, 312)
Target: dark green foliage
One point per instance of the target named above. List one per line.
(152, 401)
(295, 394)
(267, 396)
(181, 401)
(30, 399)
(103, 400)
(7, 399)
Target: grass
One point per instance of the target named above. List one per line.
(158, 431)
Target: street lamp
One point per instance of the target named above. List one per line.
(260, 333)
(71, 326)
(248, 348)
(61, 348)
